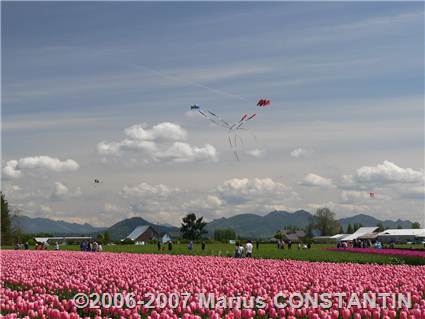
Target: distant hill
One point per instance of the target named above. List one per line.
(35, 225)
(367, 220)
(245, 225)
(121, 229)
(256, 226)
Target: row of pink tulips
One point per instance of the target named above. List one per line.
(40, 284)
(396, 252)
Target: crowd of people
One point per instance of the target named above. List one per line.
(281, 244)
(358, 243)
(92, 246)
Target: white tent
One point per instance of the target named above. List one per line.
(401, 235)
(359, 232)
(339, 236)
(165, 239)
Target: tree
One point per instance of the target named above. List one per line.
(106, 238)
(309, 231)
(224, 234)
(341, 230)
(6, 222)
(380, 227)
(324, 220)
(416, 225)
(278, 235)
(399, 226)
(349, 229)
(193, 228)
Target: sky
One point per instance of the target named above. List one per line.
(102, 90)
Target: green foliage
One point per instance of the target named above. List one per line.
(309, 231)
(193, 228)
(324, 220)
(278, 235)
(380, 227)
(350, 229)
(6, 223)
(416, 225)
(126, 241)
(224, 235)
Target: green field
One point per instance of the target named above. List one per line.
(316, 253)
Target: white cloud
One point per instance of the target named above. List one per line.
(247, 187)
(354, 196)
(317, 180)
(183, 152)
(164, 141)
(11, 171)
(165, 131)
(116, 148)
(146, 190)
(211, 202)
(14, 168)
(300, 152)
(255, 153)
(61, 192)
(385, 173)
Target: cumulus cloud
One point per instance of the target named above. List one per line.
(353, 196)
(14, 168)
(300, 152)
(61, 192)
(248, 187)
(255, 153)
(165, 131)
(164, 141)
(144, 190)
(184, 152)
(317, 180)
(211, 202)
(385, 173)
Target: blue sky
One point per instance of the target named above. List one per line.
(346, 82)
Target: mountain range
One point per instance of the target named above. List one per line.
(36, 225)
(245, 225)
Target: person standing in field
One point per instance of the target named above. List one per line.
(249, 247)
(57, 246)
(158, 244)
(170, 245)
(190, 246)
(203, 245)
(257, 243)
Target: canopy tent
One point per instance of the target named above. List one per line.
(401, 235)
(359, 232)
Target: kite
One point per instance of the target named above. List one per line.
(372, 195)
(97, 181)
(232, 129)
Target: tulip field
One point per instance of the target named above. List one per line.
(42, 284)
(318, 252)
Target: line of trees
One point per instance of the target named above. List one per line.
(224, 234)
